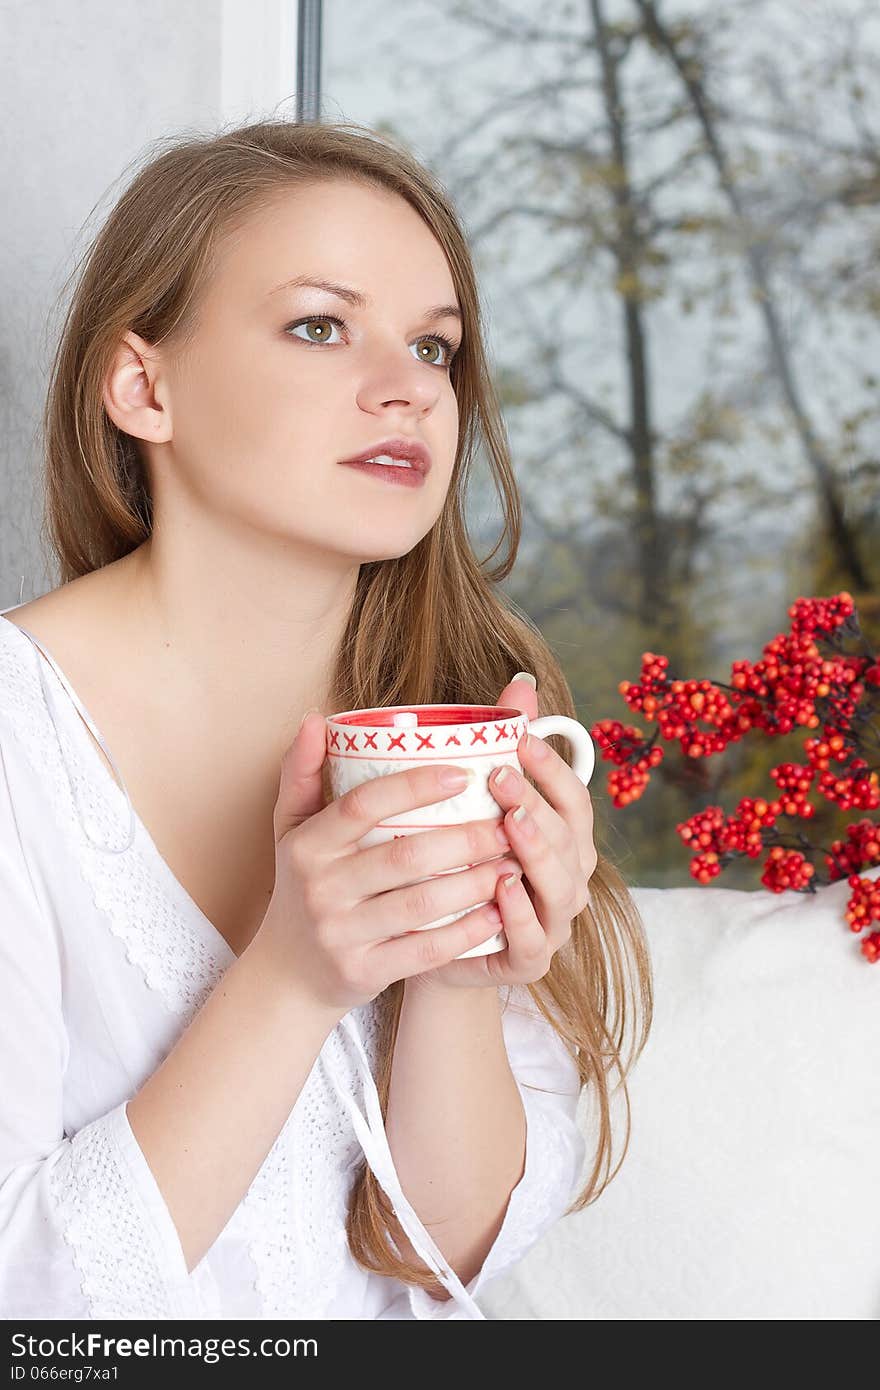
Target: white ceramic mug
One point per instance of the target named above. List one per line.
(367, 743)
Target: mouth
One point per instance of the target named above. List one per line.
(399, 475)
(398, 454)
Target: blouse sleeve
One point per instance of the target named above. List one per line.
(84, 1229)
(555, 1147)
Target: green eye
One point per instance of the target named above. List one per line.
(316, 318)
(448, 347)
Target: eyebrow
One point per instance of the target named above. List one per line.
(360, 301)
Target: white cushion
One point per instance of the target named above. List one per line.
(749, 1189)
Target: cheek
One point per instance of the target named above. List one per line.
(244, 426)
(219, 394)
(442, 428)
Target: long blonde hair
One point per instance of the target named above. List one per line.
(428, 627)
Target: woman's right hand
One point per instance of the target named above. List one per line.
(342, 919)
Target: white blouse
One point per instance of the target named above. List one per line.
(104, 959)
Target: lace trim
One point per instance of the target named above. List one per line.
(115, 1248)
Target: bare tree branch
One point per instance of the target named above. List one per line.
(841, 533)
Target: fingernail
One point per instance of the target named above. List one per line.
(306, 715)
(526, 676)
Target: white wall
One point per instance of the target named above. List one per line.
(84, 91)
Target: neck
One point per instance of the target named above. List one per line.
(244, 645)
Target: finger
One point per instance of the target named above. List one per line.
(527, 944)
(408, 858)
(510, 789)
(560, 803)
(546, 872)
(520, 694)
(301, 790)
(426, 950)
(379, 799)
(413, 907)
(558, 783)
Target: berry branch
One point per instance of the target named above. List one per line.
(792, 685)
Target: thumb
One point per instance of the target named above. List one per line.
(301, 790)
(520, 693)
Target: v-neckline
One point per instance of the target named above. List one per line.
(214, 937)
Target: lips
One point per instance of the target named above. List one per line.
(399, 447)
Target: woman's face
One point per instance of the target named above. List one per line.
(259, 408)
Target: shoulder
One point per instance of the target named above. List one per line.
(65, 620)
(70, 626)
(18, 657)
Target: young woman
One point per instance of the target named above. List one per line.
(232, 1084)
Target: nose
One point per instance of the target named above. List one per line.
(396, 378)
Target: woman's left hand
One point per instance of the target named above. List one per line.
(554, 845)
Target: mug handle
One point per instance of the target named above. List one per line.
(584, 760)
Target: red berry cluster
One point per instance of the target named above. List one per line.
(793, 684)
(705, 866)
(716, 838)
(786, 868)
(820, 751)
(617, 741)
(859, 791)
(677, 705)
(705, 831)
(623, 744)
(793, 782)
(746, 824)
(864, 905)
(821, 616)
(860, 849)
